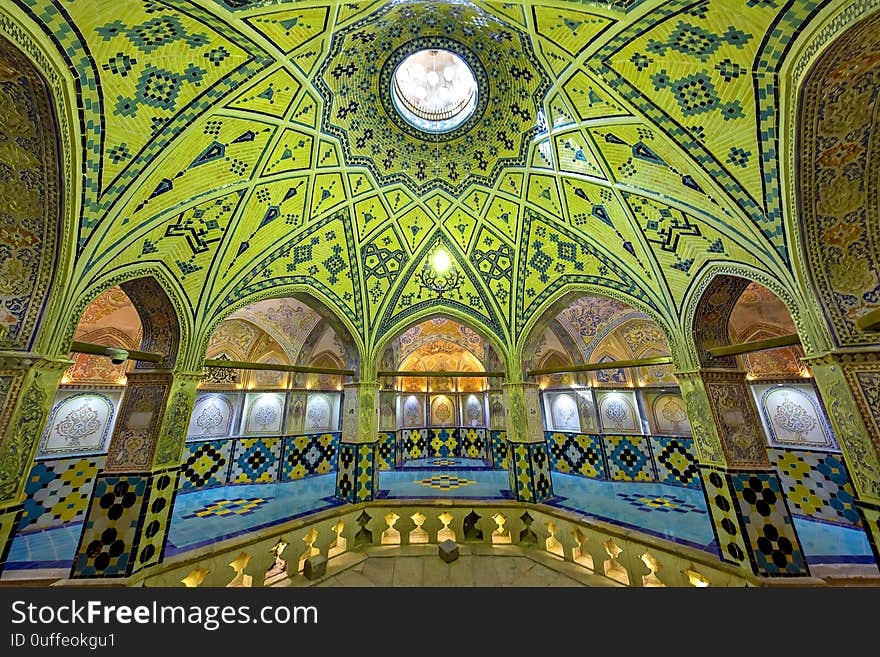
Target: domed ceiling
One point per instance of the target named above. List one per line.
(252, 149)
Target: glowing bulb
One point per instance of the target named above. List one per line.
(441, 261)
(433, 78)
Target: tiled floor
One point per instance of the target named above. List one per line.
(444, 462)
(671, 512)
(211, 515)
(445, 482)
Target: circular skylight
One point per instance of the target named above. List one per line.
(434, 90)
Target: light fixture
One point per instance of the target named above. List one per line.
(434, 90)
(441, 261)
(439, 275)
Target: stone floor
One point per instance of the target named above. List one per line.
(476, 566)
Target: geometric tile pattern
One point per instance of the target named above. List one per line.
(386, 450)
(256, 460)
(345, 472)
(816, 484)
(308, 455)
(773, 544)
(442, 442)
(629, 458)
(661, 504)
(445, 482)
(240, 507)
(413, 444)
(520, 472)
(576, 453)
(472, 442)
(58, 491)
(871, 516)
(676, 461)
(157, 519)
(367, 473)
(529, 471)
(469, 442)
(205, 464)
(498, 440)
(151, 79)
(725, 521)
(624, 458)
(8, 522)
(111, 527)
(357, 472)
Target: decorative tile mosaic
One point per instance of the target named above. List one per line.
(725, 521)
(816, 484)
(386, 451)
(442, 442)
(675, 461)
(472, 442)
(413, 444)
(255, 460)
(774, 547)
(499, 453)
(310, 455)
(576, 453)
(444, 482)
(205, 464)
(58, 491)
(367, 473)
(157, 519)
(629, 458)
(529, 472)
(80, 422)
(357, 477)
(346, 466)
(240, 506)
(666, 504)
(111, 527)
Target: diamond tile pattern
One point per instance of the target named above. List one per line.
(255, 460)
(629, 458)
(817, 484)
(205, 464)
(58, 491)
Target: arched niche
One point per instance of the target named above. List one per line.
(30, 198)
(836, 175)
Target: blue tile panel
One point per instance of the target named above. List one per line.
(668, 460)
(498, 446)
(212, 463)
(816, 484)
(443, 442)
(386, 451)
(57, 492)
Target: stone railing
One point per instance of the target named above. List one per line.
(277, 555)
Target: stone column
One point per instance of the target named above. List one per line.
(28, 383)
(357, 475)
(746, 501)
(527, 459)
(850, 387)
(126, 526)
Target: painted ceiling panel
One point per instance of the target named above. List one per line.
(252, 146)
